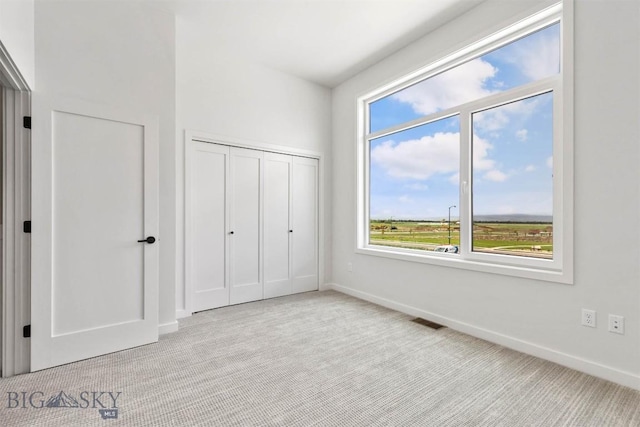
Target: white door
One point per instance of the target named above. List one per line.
(207, 246)
(277, 227)
(304, 216)
(94, 196)
(245, 230)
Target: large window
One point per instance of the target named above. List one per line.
(467, 162)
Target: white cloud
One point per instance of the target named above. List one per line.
(417, 186)
(495, 175)
(456, 86)
(405, 199)
(539, 57)
(455, 179)
(522, 134)
(419, 159)
(536, 56)
(550, 162)
(481, 160)
(499, 117)
(490, 120)
(530, 168)
(471, 81)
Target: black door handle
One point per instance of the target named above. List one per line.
(148, 240)
(290, 231)
(231, 232)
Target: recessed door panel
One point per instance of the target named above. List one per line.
(98, 215)
(277, 229)
(245, 238)
(208, 225)
(305, 224)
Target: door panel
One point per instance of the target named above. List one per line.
(245, 224)
(95, 193)
(208, 232)
(305, 224)
(98, 214)
(277, 176)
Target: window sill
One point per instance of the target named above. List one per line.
(456, 261)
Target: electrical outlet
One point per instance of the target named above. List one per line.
(349, 267)
(588, 318)
(616, 324)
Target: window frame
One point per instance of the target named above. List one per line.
(560, 268)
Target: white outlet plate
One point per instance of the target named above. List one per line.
(616, 324)
(349, 267)
(588, 318)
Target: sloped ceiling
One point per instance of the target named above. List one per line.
(323, 41)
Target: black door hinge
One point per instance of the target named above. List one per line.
(26, 331)
(26, 226)
(26, 122)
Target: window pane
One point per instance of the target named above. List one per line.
(525, 60)
(414, 177)
(513, 178)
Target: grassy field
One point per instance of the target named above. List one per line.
(524, 239)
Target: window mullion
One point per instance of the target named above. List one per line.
(491, 101)
(362, 219)
(519, 93)
(450, 112)
(465, 182)
(559, 169)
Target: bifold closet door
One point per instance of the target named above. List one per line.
(253, 225)
(209, 195)
(245, 231)
(304, 223)
(277, 227)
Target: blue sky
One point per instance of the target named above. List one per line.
(414, 173)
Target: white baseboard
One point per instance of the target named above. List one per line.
(167, 328)
(627, 379)
(326, 287)
(181, 314)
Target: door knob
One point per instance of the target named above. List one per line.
(231, 232)
(149, 240)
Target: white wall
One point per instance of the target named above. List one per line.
(17, 35)
(537, 317)
(117, 54)
(221, 94)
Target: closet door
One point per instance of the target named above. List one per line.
(245, 231)
(277, 227)
(208, 248)
(304, 224)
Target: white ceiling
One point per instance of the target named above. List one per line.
(324, 41)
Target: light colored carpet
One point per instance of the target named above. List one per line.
(322, 359)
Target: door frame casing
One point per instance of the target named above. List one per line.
(16, 207)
